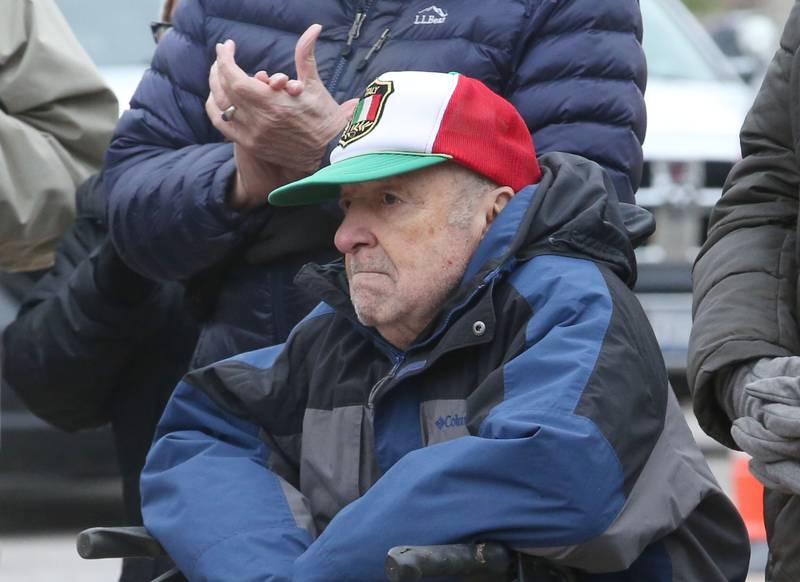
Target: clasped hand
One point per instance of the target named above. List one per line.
(281, 127)
(768, 427)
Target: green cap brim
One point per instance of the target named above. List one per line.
(325, 183)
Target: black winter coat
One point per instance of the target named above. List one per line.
(95, 342)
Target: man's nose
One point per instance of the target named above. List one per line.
(354, 232)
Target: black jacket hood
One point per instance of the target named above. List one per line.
(575, 211)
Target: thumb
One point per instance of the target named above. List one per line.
(304, 60)
(348, 107)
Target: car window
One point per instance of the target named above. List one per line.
(677, 47)
(113, 32)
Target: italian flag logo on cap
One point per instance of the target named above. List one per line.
(368, 111)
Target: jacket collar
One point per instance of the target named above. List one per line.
(577, 213)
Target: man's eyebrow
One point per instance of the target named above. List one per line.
(391, 183)
(401, 185)
(394, 184)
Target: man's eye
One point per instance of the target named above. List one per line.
(390, 199)
(344, 204)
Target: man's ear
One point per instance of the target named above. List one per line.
(498, 198)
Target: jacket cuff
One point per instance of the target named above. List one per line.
(246, 222)
(711, 413)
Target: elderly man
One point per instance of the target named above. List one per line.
(478, 369)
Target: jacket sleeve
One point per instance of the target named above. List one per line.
(543, 470)
(56, 117)
(168, 169)
(65, 350)
(579, 84)
(208, 492)
(745, 277)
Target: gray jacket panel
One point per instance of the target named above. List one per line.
(677, 482)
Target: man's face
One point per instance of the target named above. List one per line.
(405, 249)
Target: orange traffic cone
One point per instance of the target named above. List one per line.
(748, 495)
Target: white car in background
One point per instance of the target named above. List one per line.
(696, 104)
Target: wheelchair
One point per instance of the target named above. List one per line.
(481, 562)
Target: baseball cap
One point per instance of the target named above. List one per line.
(409, 120)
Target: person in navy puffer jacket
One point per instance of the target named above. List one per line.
(187, 190)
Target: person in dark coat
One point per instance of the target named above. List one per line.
(744, 352)
(95, 342)
(186, 186)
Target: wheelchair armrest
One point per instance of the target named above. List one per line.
(117, 542)
(409, 563)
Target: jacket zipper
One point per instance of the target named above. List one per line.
(344, 54)
(355, 32)
(373, 393)
(399, 358)
(486, 281)
(374, 49)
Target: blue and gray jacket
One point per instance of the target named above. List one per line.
(574, 69)
(534, 411)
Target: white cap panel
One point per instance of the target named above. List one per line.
(410, 118)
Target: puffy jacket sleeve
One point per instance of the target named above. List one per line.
(579, 84)
(551, 465)
(209, 493)
(56, 117)
(745, 277)
(168, 168)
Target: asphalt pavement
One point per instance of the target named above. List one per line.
(50, 557)
(39, 521)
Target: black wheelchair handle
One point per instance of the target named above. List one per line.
(410, 563)
(117, 542)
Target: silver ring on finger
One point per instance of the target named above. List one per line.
(228, 113)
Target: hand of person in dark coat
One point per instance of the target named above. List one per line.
(765, 396)
(281, 127)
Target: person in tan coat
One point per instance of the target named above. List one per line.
(56, 119)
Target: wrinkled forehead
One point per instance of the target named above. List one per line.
(395, 183)
(419, 184)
